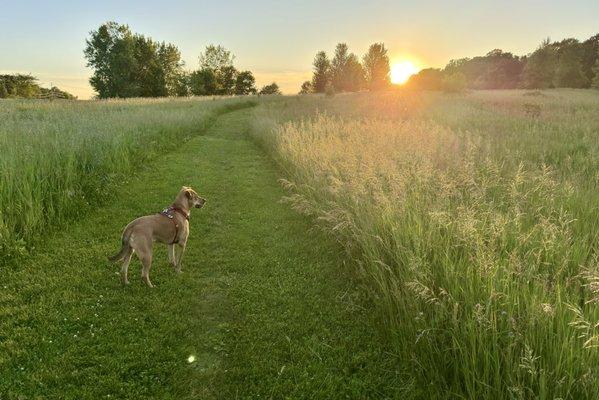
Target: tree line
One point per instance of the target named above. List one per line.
(567, 63)
(345, 72)
(128, 64)
(26, 87)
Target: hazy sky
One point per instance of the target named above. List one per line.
(277, 40)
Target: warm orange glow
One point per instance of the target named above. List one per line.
(401, 71)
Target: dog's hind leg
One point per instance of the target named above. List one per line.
(125, 266)
(145, 256)
(178, 263)
(172, 256)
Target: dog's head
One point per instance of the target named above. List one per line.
(193, 198)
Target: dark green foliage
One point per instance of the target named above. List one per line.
(218, 76)
(245, 83)
(568, 72)
(427, 79)
(338, 67)
(595, 81)
(568, 63)
(322, 72)
(216, 58)
(376, 67)
(495, 70)
(182, 84)
(539, 69)
(203, 82)
(110, 51)
(273, 88)
(131, 65)
(25, 86)
(454, 82)
(347, 74)
(306, 88)
(589, 56)
(227, 79)
(54, 93)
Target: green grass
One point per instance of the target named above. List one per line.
(472, 219)
(263, 303)
(60, 159)
(447, 247)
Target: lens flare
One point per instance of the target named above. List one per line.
(401, 71)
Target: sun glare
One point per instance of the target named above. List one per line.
(401, 72)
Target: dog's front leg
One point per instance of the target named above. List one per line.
(181, 252)
(172, 256)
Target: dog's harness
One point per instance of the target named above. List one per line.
(169, 212)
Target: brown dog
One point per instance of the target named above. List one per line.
(171, 227)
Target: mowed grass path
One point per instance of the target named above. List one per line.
(262, 304)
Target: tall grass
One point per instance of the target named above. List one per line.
(473, 223)
(59, 159)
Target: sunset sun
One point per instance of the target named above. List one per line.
(401, 71)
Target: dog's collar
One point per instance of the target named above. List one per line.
(183, 213)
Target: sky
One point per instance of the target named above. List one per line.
(277, 40)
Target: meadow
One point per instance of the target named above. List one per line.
(454, 256)
(59, 159)
(471, 220)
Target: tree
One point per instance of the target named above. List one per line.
(321, 77)
(55, 93)
(19, 85)
(347, 74)
(568, 72)
(595, 81)
(495, 70)
(203, 82)
(426, 79)
(245, 83)
(539, 69)
(226, 78)
(590, 54)
(355, 75)
(171, 68)
(182, 84)
(220, 61)
(146, 76)
(216, 58)
(376, 66)
(273, 88)
(26, 86)
(128, 65)
(454, 82)
(339, 68)
(306, 88)
(110, 51)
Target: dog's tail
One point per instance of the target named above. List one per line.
(125, 248)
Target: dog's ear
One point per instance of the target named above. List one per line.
(188, 193)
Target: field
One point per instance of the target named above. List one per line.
(428, 245)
